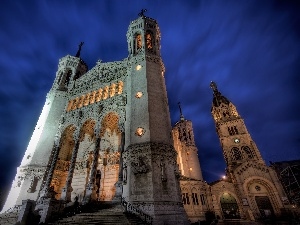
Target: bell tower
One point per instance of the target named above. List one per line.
(237, 144)
(150, 180)
(185, 146)
(30, 173)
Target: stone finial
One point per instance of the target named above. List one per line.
(181, 115)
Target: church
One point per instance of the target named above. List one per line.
(105, 135)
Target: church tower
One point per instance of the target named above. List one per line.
(250, 183)
(31, 172)
(149, 159)
(236, 142)
(187, 151)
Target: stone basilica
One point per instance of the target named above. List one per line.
(104, 135)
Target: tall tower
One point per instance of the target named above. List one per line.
(187, 151)
(31, 172)
(237, 144)
(252, 180)
(149, 159)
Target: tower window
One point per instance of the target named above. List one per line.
(236, 154)
(202, 198)
(195, 199)
(248, 152)
(149, 40)
(67, 80)
(232, 130)
(138, 41)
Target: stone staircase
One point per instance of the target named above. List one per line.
(101, 214)
(8, 218)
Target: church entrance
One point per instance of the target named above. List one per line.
(229, 207)
(264, 205)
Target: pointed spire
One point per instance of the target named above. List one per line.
(218, 97)
(79, 50)
(213, 86)
(181, 115)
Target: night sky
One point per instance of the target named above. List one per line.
(251, 49)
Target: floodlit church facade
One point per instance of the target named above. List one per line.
(105, 134)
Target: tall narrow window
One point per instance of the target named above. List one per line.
(202, 198)
(138, 41)
(187, 198)
(195, 199)
(149, 43)
(67, 80)
(183, 199)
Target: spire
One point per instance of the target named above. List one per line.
(181, 115)
(79, 50)
(218, 97)
(213, 86)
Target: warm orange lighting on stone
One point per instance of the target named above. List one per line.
(139, 131)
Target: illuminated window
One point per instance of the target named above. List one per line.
(112, 90)
(138, 41)
(139, 131)
(120, 87)
(105, 93)
(98, 95)
(139, 94)
(80, 103)
(87, 99)
(149, 40)
(138, 67)
(92, 97)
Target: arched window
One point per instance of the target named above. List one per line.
(137, 42)
(236, 154)
(77, 75)
(67, 80)
(248, 151)
(229, 207)
(195, 197)
(149, 40)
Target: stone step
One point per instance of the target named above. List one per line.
(8, 218)
(109, 214)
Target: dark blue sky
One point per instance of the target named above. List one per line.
(251, 49)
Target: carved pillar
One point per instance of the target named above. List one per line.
(67, 190)
(119, 183)
(47, 191)
(90, 187)
(47, 203)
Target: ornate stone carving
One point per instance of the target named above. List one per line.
(139, 166)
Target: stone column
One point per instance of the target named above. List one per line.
(119, 183)
(47, 203)
(47, 191)
(90, 187)
(67, 190)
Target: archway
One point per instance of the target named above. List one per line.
(62, 165)
(229, 206)
(109, 156)
(84, 159)
(259, 190)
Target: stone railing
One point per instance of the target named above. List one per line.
(129, 208)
